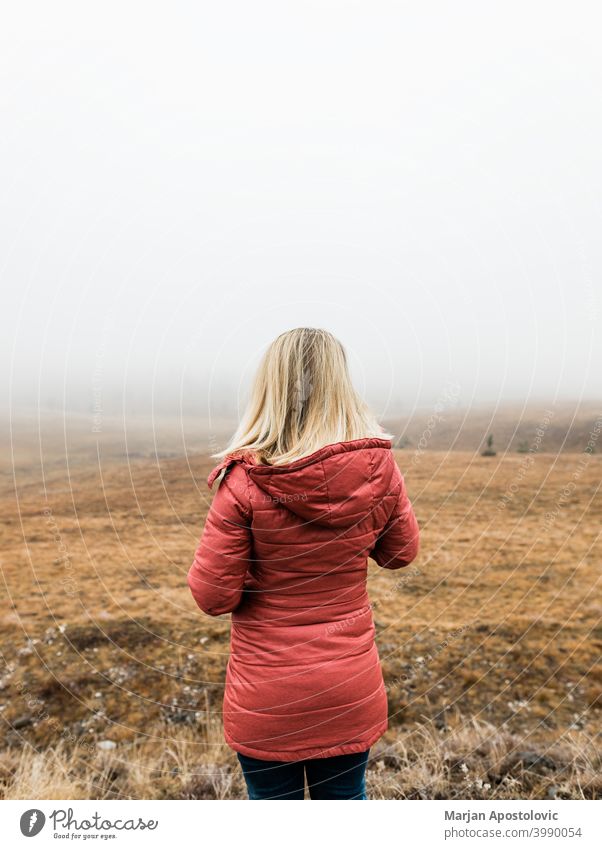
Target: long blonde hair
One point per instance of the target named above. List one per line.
(302, 399)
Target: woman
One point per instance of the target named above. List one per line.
(308, 490)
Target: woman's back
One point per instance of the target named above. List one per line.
(313, 524)
(285, 548)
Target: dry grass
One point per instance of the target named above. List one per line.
(490, 643)
(474, 761)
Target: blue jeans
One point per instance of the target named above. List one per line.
(340, 777)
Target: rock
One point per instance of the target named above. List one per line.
(106, 745)
(180, 717)
(50, 635)
(384, 753)
(22, 721)
(533, 760)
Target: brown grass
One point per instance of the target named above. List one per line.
(473, 761)
(490, 642)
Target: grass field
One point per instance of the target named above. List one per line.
(111, 679)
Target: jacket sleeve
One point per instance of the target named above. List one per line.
(217, 575)
(399, 541)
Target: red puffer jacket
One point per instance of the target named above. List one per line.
(285, 549)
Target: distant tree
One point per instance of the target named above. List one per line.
(523, 447)
(490, 450)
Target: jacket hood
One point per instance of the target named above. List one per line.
(334, 486)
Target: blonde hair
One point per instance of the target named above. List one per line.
(302, 399)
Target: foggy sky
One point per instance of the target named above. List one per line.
(184, 181)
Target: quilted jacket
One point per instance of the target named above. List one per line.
(285, 550)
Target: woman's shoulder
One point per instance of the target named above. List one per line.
(231, 483)
(240, 458)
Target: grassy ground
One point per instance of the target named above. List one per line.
(111, 679)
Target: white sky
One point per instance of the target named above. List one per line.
(184, 181)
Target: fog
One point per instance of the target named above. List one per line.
(184, 181)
